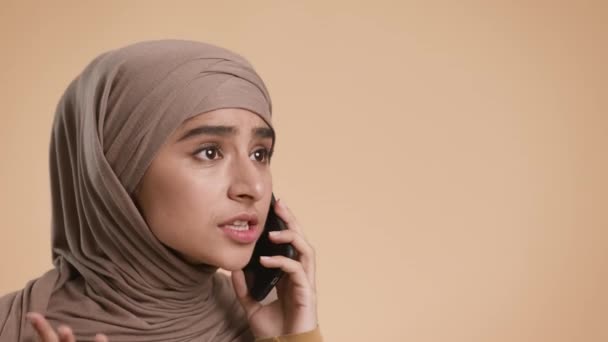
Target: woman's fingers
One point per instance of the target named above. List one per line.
(43, 328)
(101, 338)
(287, 216)
(47, 334)
(306, 253)
(295, 236)
(65, 334)
(242, 293)
(290, 266)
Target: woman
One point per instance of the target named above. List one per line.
(160, 174)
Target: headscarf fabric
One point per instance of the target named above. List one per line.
(111, 275)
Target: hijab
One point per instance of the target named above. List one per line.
(111, 275)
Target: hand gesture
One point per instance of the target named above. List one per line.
(295, 310)
(46, 333)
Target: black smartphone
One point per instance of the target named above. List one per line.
(260, 280)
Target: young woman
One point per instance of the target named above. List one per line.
(160, 174)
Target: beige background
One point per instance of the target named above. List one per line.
(448, 161)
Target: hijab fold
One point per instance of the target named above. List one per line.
(111, 275)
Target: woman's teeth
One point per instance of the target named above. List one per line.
(238, 225)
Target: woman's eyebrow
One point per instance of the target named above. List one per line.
(262, 132)
(220, 130)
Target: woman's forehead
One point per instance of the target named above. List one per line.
(224, 122)
(231, 116)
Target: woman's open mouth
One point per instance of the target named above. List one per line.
(242, 228)
(241, 233)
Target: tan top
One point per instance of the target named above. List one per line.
(311, 336)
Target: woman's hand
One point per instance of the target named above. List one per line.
(295, 310)
(63, 333)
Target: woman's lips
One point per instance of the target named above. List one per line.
(241, 236)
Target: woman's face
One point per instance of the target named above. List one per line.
(214, 167)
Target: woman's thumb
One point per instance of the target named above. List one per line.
(240, 288)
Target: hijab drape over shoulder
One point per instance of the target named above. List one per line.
(111, 274)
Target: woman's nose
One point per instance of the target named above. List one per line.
(246, 181)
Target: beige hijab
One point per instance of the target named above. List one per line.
(111, 274)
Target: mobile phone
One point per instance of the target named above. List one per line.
(260, 280)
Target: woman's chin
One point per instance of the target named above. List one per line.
(234, 264)
(229, 264)
(228, 259)
(234, 259)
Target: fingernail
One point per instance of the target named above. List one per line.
(274, 232)
(264, 258)
(63, 330)
(101, 338)
(282, 203)
(29, 316)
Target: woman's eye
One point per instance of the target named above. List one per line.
(261, 155)
(209, 152)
